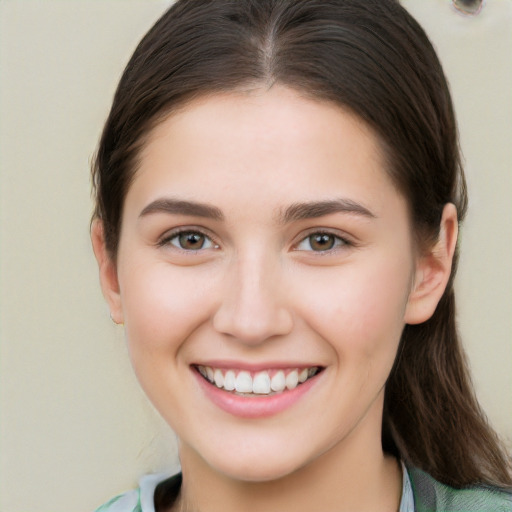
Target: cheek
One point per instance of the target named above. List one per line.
(162, 304)
(361, 310)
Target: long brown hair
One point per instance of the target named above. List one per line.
(373, 58)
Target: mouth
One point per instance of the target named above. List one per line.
(262, 383)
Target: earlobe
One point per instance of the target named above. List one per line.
(433, 270)
(108, 272)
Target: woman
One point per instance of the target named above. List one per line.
(278, 195)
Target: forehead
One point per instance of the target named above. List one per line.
(263, 148)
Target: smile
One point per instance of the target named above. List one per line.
(266, 382)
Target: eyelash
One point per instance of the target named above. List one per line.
(167, 240)
(338, 241)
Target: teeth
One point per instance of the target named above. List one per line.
(278, 382)
(303, 375)
(243, 382)
(260, 384)
(292, 379)
(230, 380)
(218, 378)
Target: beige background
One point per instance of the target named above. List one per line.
(75, 429)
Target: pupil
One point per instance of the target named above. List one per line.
(191, 240)
(321, 242)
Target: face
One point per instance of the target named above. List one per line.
(264, 248)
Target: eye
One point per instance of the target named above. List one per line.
(320, 242)
(190, 241)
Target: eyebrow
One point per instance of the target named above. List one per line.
(294, 212)
(311, 210)
(182, 207)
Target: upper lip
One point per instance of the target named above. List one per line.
(256, 367)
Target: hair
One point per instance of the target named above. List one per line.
(372, 58)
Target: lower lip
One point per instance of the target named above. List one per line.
(261, 406)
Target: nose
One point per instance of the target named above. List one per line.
(253, 306)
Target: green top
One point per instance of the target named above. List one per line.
(420, 493)
(433, 496)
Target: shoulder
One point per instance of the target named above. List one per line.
(127, 502)
(137, 500)
(432, 496)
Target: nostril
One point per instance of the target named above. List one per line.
(252, 322)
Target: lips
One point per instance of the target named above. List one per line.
(255, 398)
(259, 383)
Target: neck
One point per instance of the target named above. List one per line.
(352, 476)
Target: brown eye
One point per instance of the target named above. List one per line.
(322, 242)
(191, 241)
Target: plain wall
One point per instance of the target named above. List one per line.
(75, 428)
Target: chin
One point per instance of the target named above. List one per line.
(258, 474)
(257, 467)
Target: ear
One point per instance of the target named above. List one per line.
(108, 272)
(433, 270)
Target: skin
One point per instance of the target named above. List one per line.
(257, 293)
